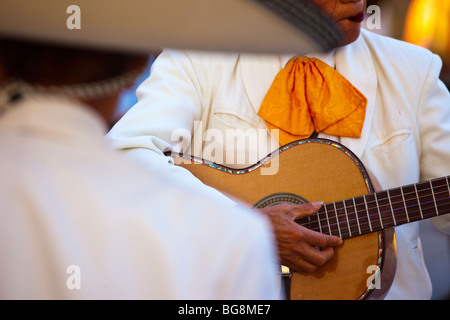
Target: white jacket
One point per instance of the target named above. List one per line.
(406, 136)
(78, 221)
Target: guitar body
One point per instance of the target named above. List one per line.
(312, 170)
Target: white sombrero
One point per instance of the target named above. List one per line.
(269, 26)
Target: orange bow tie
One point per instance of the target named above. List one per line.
(309, 96)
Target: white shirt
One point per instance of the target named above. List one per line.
(78, 221)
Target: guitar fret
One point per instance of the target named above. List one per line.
(448, 188)
(386, 209)
(352, 218)
(418, 201)
(348, 222)
(328, 220)
(337, 220)
(447, 197)
(357, 217)
(305, 222)
(378, 209)
(367, 211)
(314, 222)
(442, 195)
(320, 224)
(398, 206)
(412, 203)
(374, 214)
(332, 218)
(343, 221)
(426, 200)
(392, 209)
(363, 220)
(406, 207)
(434, 198)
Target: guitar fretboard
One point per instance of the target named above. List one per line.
(385, 209)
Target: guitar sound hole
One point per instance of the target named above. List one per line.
(279, 198)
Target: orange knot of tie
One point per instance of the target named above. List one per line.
(309, 96)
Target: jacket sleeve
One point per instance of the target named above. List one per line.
(252, 265)
(434, 126)
(169, 103)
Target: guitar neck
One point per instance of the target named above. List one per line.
(378, 211)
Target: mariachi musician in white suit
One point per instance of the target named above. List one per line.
(404, 136)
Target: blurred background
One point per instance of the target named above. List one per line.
(424, 23)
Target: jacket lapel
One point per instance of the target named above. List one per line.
(258, 73)
(355, 63)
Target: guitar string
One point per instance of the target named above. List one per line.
(363, 224)
(392, 197)
(376, 214)
(416, 196)
(350, 208)
(364, 229)
(403, 206)
(325, 225)
(403, 197)
(346, 234)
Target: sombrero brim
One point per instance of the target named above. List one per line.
(260, 26)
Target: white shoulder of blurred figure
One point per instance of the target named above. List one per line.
(81, 221)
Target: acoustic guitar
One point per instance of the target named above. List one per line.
(317, 169)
